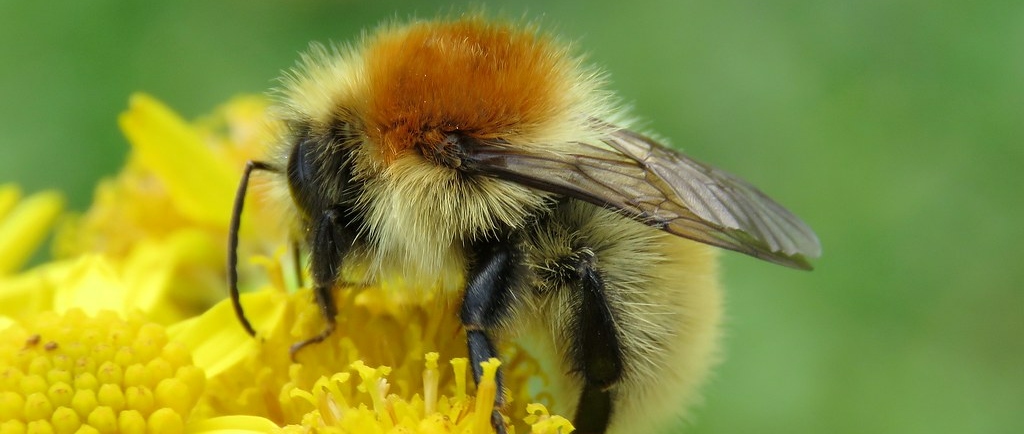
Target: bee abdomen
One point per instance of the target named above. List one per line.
(634, 312)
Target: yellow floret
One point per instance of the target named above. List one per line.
(61, 373)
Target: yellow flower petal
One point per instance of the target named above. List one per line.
(32, 292)
(92, 284)
(25, 226)
(233, 424)
(200, 185)
(150, 271)
(216, 339)
(9, 196)
(145, 281)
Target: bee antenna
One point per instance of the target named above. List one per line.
(236, 220)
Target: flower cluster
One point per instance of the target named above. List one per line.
(126, 330)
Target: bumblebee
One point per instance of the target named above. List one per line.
(489, 151)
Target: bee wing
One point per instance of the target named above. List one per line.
(662, 188)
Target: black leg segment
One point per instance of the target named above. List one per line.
(596, 351)
(485, 304)
(297, 264)
(593, 410)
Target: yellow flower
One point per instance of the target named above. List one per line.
(128, 329)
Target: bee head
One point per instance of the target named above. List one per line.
(318, 169)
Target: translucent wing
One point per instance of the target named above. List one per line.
(662, 188)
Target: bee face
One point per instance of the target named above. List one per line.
(483, 159)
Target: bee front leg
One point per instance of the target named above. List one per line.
(329, 240)
(485, 304)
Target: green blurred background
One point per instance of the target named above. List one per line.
(895, 128)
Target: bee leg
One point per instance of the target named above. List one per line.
(595, 350)
(330, 237)
(484, 305)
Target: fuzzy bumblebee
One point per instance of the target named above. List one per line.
(485, 160)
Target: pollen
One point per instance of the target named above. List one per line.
(73, 372)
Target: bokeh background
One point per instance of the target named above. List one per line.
(895, 128)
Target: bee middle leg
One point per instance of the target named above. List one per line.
(486, 302)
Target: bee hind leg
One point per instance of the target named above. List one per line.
(595, 352)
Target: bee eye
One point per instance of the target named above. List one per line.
(301, 173)
(449, 152)
(319, 175)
